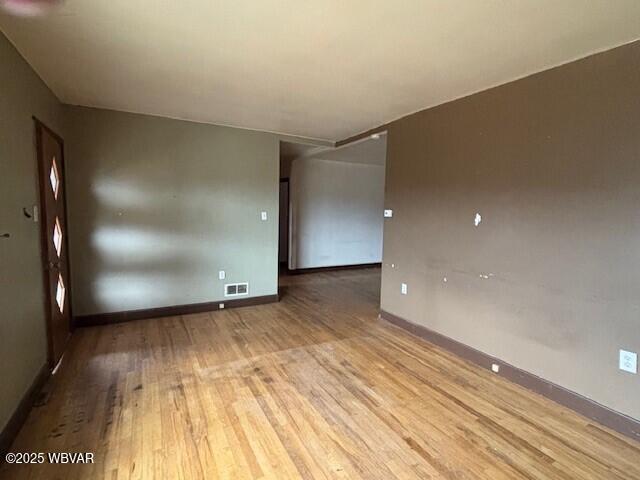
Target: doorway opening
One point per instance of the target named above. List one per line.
(332, 206)
(283, 226)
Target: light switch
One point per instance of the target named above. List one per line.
(263, 216)
(403, 288)
(222, 275)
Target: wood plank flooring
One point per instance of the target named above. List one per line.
(312, 387)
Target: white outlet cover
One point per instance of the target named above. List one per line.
(388, 213)
(263, 216)
(628, 361)
(403, 288)
(222, 275)
(495, 368)
(221, 306)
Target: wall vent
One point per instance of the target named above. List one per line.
(236, 289)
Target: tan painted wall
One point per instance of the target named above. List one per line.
(552, 163)
(157, 207)
(22, 318)
(336, 213)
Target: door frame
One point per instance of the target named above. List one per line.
(44, 261)
(287, 226)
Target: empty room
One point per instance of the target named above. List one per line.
(322, 239)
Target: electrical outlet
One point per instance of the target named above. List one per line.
(263, 216)
(403, 288)
(221, 306)
(222, 275)
(628, 361)
(495, 368)
(388, 213)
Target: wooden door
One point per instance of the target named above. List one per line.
(55, 258)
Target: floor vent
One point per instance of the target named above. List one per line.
(236, 289)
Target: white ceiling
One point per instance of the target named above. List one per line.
(324, 69)
(291, 150)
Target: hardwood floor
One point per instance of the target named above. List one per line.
(312, 387)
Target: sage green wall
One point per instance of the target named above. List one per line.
(158, 206)
(550, 279)
(22, 318)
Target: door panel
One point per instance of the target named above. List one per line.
(55, 257)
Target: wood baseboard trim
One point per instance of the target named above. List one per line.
(619, 422)
(301, 271)
(174, 310)
(19, 417)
